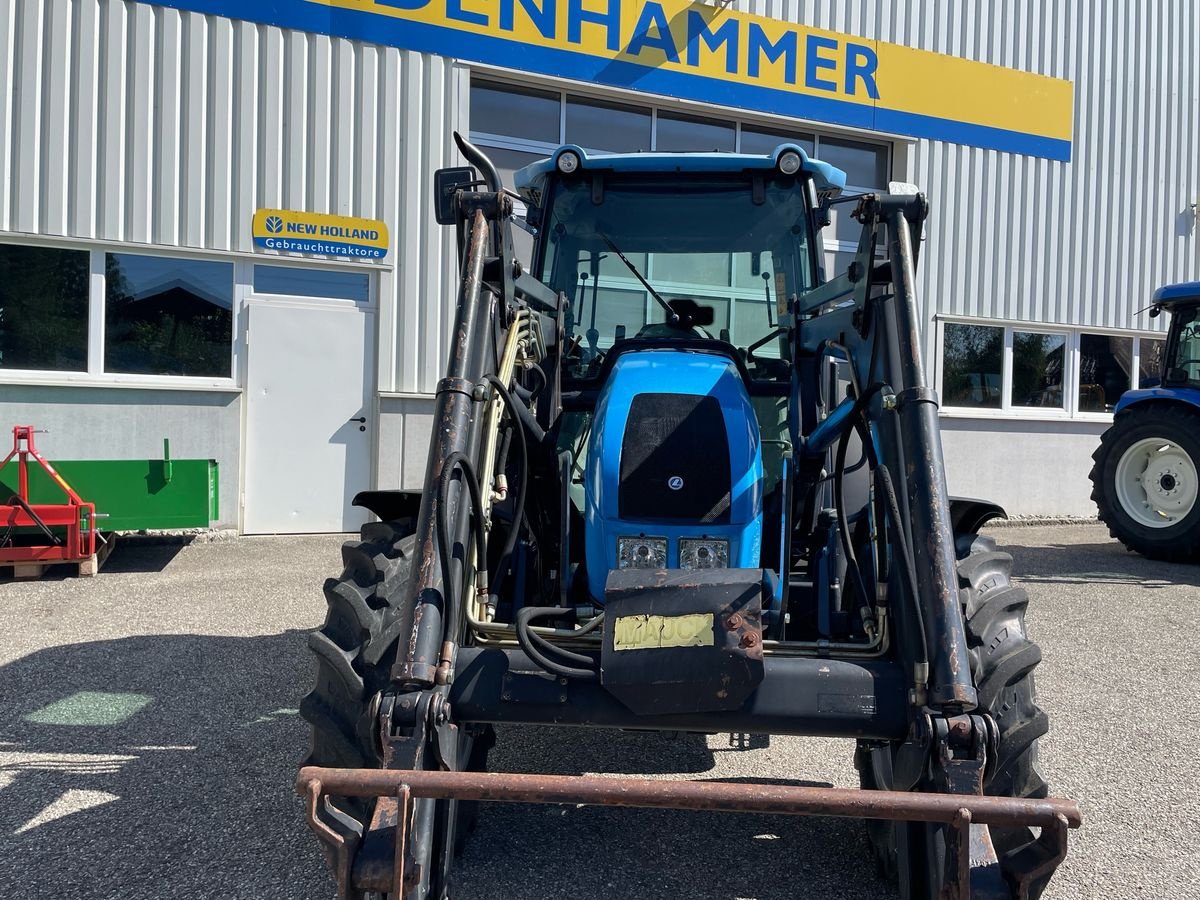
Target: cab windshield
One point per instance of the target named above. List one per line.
(723, 259)
(1184, 363)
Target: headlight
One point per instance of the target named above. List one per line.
(789, 162)
(641, 553)
(568, 161)
(703, 553)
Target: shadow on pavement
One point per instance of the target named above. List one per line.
(157, 766)
(572, 852)
(127, 557)
(162, 766)
(131, 555)
(1101, 563)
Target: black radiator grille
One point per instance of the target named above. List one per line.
(675, 460)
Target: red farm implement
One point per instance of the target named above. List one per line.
(34, 535)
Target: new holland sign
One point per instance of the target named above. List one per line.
(291, 231)
(698, 52)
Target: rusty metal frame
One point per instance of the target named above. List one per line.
(957, 811)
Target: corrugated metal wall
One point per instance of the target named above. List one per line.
(1016, 237)
(122, 121)
(125, 121)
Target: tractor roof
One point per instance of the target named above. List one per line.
(1182, 294)
(531, 180)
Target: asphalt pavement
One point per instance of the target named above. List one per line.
(150, 738)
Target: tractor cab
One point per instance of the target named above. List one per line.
(699, 246)
(680, 273)
(1181, 365)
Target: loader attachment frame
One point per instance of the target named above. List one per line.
(971, 863)
(905, 689)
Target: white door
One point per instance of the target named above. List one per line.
(308, 415)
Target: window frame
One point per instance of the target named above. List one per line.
(1007, 410)
(242, 264)
(655, 105)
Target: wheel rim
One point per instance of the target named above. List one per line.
(1156, 483)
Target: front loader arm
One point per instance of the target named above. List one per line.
(871, 312)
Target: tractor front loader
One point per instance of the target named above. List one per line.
(679, 480)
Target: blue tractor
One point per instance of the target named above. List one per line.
(1146, 476)
(680, 480)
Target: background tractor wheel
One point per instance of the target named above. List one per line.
(1002, 663)
(1145, 481)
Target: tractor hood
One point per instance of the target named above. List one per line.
(674, 453)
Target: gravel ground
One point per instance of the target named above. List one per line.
(151, 736)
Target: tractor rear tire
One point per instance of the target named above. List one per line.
(355, 650)
(1145, 484)
(1002, 663)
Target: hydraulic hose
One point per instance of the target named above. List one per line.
(909, 569)
(537, 647)
(457, 460)
(510, 542)
(857, 416)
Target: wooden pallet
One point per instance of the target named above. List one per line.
(85, 568)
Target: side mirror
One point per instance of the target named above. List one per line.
(822, 215)
(1175, 376)
(447, 182)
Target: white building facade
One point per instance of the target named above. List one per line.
(138, 140)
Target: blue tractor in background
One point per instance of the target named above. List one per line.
(680, 480)
(1145, 479)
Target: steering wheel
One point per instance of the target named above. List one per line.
(690, 316)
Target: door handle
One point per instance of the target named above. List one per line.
(361, 420)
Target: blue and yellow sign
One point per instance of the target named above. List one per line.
(699, 52)
(303, 232)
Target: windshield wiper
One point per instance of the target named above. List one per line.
(672, 316)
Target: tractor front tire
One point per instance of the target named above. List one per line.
(1002, 663)
(355, 650)
(1145, 482)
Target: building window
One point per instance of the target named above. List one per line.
(681, 134)
(299, 281)
(1105, 367)
(599, 125)
(972, 366)
(1016, 370)
(167, 316)
(764, 141)
(44, 308)
(1038, 368)
(518, 125)
(504, 110)
(863, 163)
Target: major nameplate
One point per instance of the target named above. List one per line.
(647, 632)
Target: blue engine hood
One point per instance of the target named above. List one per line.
(662, 376)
